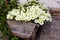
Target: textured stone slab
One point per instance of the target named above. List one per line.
(53, 6)
(50, 3)
(58, 1)
(22, 29)
(51, 31)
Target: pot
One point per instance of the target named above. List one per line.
(23, 29)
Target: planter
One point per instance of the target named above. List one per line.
(25, 30)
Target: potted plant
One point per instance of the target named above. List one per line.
(26, 19)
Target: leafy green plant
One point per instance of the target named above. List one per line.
(5, 6)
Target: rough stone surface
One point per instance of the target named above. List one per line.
(22, 29)
(52, 5)
(51, 31)
(58, 1)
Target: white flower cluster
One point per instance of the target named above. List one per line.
(13, 13)
(43, 17)
(30, 13)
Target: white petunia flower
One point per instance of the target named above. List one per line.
(14, 12)
(39, 21)
(34, 12)
(9, 16)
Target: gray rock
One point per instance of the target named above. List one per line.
(50, 3)
(51, 31)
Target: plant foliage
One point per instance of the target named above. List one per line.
(5, 6)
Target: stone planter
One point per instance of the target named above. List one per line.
(25, 30)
